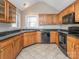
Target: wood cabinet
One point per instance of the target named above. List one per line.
(16, 46)
(77, 11)
(10, 47)
(38, 37)
(3, 7)
(6, 50)
(26, 39)
(77, 50)
(54, 37)
(7, 11)
(29, 38)
(70, 46)
(73, 47)
(66, 11)
(46, 19)
(21, 38)
(11, 12)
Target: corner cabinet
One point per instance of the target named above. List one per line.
(7, 12)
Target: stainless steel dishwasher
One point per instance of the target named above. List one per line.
(45, 38)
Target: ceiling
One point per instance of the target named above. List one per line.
(57, 4)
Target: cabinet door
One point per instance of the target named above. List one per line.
(57, 38)
(41, 19)
(3, 8)
(77, 51)
(52, 37)
(6, 52)
(77, 11)
(11, 12)
(26, 39)
(70, 47)
(46, 19)
(49, 19)
(16, 47)
(35, 37)
(38, 37)
(21, 41)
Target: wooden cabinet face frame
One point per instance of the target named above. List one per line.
(6, 16)
(3, 11)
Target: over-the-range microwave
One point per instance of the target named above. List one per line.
(69, 18)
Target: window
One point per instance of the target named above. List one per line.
(17, 23)
(31, 21)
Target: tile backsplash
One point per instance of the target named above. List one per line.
(66, 26)
(6, 27)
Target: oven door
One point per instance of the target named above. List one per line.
(63, 40)
(62, 43)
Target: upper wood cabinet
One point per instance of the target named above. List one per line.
(7, 12)
(47, 19)
(11, 13)
(3, 7)
(77, 11)
(66, 11)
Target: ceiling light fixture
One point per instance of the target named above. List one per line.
(25, 5)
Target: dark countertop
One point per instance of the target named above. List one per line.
(8, 34)
(74, 35)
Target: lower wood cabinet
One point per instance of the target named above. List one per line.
(29, 38)
(54, 37)
(70, 46)
(77, 11)
(10, 47)
(6, 50)
(16, 46)
(73, 47)
(76, 47)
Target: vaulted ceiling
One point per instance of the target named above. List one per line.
(59, 5)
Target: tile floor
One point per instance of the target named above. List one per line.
(42, 51)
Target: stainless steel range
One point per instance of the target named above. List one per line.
(63, 41)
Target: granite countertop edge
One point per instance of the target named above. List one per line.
(13, 34)
(22, 31)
